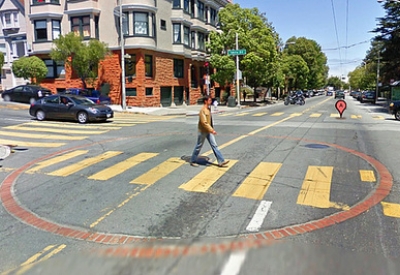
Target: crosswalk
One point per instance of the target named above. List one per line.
(312, 115)
(52, 134)
(102, 167)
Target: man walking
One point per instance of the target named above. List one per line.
(206, 131)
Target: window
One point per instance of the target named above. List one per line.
(96, 27)
(149, 91)
(186, 34)
(186, 5)
(176, 4)
(81, 26)
(213, 16)
(125, 23)
(40, 30)
(163, 24)
(56, 28)
(200, 10)
(178, 68)
(200, 41)
(177, 33)
(54, 69)
(193, 78)
(148, 63)
(193, 40)
(130, 66)
(130, 91)
(141, 23)
(18, 48)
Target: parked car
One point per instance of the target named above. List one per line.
(69, 107)
(93, 95)
(368, 96)
(339, 94)
(329, 93)
(394, 108)
(25, 93)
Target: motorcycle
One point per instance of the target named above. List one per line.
(294, 99)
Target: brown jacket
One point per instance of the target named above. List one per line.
(205, 124)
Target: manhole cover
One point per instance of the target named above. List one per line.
(317, 146)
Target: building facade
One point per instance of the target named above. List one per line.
(164, 42)
(12, 40)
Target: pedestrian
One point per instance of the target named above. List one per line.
(215, 104)
(206, 131)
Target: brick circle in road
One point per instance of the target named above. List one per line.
(158, 249)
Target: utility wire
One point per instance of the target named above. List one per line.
(336, 31)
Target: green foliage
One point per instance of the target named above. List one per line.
(255, 35)
(82, 57)
(296, 71)
(335, 82)
(1, 60)
(315, 59)
(30, 68)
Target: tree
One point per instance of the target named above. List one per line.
(388, 38)
(315, 59)
(30, 68)
(1, 60)
(255, 35)
(84, 58)
(296, 71)
(335, 82)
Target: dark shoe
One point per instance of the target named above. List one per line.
(194, 164)
(223, 163)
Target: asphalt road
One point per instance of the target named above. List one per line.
(306, 192)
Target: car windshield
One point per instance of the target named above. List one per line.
(82, 101)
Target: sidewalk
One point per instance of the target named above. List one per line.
(191, 110)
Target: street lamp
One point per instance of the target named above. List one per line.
(237, 71)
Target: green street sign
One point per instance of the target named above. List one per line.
(237, 52)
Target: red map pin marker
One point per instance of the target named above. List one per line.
(340, 106)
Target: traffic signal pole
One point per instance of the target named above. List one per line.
(237, 72)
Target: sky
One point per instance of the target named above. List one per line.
(341, 27)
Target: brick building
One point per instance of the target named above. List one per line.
(164, 45)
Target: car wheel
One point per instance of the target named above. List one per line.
(32, 100)
(7, 98)
(82, 117)
(40, 115)
(397, 115)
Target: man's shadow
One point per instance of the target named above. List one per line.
(201, 160)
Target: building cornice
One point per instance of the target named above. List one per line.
(137, 7)
(83, 11)
(41, 15)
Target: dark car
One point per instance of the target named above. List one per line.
(368, 96)
(329, 93)
(69, 107)
(339, 94)
(394, 108)
(93, 95)
(25, 93)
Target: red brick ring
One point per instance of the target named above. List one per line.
(157, 249)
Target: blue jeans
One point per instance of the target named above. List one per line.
(200, 141)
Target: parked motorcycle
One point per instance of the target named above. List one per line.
(294, 99)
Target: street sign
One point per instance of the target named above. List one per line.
(118, 14)
(237, 52)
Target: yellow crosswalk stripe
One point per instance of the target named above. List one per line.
(335, 115)
(121, 167)
(277, 114)
(32, 144)
(316, 187)
(43, 164)
(206, 178)
(41, 136)
(73, 168)
(378, 117)
(158, 172)
(71, 125)
(226, 114)
(242, 114)
(260, 114)
(55, 130)
(356, 116)
(367, 175)
(256, 184)
(391, 209)
(315, 115)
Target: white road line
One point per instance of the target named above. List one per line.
(259, 216)
(234, 263)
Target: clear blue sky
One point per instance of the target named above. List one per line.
(333, 24)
